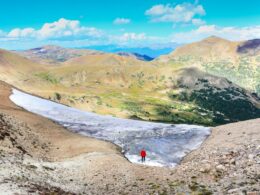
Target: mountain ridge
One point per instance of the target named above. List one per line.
(157, 90)
(53, 54)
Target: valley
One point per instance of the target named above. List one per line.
(187, 86)
(38, 156)
(130, 97)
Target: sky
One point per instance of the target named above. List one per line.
(128, 23)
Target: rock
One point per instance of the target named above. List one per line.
(232, 191)
(232, 161)
(251, 156)
(206, 168)
(249, 163)
(204, 161)
(220, 168)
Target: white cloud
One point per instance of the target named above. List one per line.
(135, 39)
(132, 36)
(181, 13)
(67, 28)
(127, 37)
(119, 21)
(61, 29)
(158, 10)
(26, 32)
(198, 22)
(231, 33)
(70, 33)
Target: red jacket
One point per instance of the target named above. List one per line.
(143, 153)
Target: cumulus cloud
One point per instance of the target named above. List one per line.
(119, 21)
(67, 28)
(181, 13)
(70, 33)
(231, 33)
(26, 32)
(61, 29)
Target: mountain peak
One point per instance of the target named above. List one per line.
(214, 38)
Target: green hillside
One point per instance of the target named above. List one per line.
(209, 83)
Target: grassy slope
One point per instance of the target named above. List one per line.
(16, 69)
(125, 87)
(220, 57)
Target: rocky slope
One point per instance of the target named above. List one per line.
(39, 157)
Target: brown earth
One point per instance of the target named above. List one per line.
(38, 156)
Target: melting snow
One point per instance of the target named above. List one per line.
(166, 144)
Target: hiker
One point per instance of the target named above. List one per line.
(143, 155)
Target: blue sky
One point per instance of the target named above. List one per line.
(132, 23)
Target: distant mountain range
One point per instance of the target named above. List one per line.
(136, 55)
(52, 54)
(211, 82)
(151, 52)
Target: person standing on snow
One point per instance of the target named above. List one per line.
(143, 155)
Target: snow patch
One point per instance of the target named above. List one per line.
(166, 144)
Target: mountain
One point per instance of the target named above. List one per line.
(153, 52)
(136, 55)
(52, 54)
(217, 96)
(16, 69)
(250, 47)
(239, 62)
(174, 88)
(38, 156)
